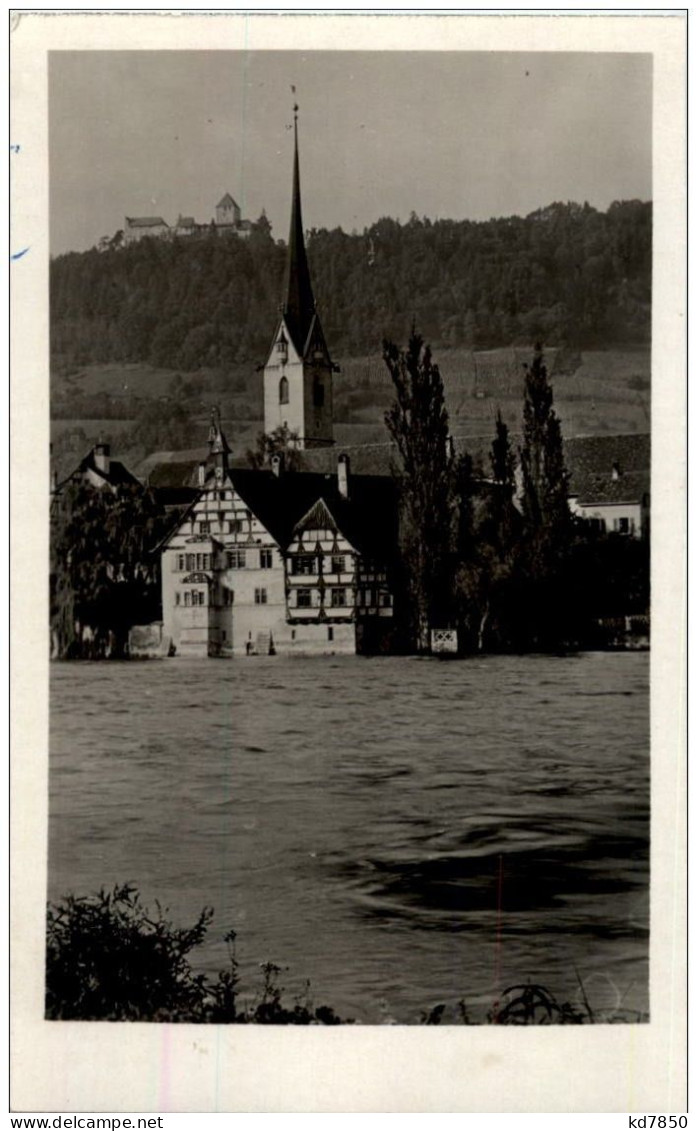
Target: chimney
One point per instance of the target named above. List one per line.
(342, 471)
(202, 475)
(616, 471)
(277, 464)
(102, 454)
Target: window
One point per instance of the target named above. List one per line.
(187, 598)
(318, 393)
(236, 559)
(204, 527)
(190, 562)
(265, 559)
(181, 562)
(228, 596)
(177, 598)
(259, 596)
(304, 564)
(198, 597)
(622, 525)
(338, 598)
(292, 634)
(386, 600)
(283, 391)
(368, 598)
(339, 564)
(304, 598)
(330, 633)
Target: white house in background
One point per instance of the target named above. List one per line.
(610, 482)
(138, 227)
(265, 561)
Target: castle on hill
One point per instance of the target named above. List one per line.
(228, 221)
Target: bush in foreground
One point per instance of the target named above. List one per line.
(108, 958)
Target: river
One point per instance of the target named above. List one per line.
(401, 832)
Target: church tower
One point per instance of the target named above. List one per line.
(298, 371)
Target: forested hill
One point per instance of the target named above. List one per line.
(565, 274)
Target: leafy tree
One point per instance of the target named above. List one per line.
(104, 575)
(282, 441)
(418, 424)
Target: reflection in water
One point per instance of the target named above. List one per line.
(359, 821)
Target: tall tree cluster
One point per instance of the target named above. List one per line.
(498, 555)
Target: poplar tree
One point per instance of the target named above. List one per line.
(546, 516)
(418, 424)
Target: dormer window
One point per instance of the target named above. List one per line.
(283, 391)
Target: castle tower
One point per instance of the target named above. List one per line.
(298, 371)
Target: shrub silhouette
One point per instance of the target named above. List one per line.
(108, 958)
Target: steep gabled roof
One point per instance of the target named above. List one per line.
(598, 490)
(318, 517)
(118, 474)
(146, 222)
(594, 456)
(368, 518)
(227, 202)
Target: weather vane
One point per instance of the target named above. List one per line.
(295, 106)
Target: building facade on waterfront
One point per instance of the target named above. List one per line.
(269, 561)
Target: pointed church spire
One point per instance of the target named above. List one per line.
(298, 299)
(218, 446)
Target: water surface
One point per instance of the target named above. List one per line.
(401, 832)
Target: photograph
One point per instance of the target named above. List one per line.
(347, 549)
(351, 442)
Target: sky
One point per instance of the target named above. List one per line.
(457, 135)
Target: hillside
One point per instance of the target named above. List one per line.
(144, 339)
(147, 409)
(566, 274)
